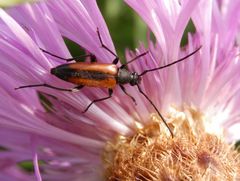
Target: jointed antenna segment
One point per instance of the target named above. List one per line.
(170, 64)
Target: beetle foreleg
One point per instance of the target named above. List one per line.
(110, 91)
(135, 58)
(124, 90)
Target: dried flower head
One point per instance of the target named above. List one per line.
(193, 154)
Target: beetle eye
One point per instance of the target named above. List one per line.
(135, 79)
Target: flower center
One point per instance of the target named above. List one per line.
(152, 154)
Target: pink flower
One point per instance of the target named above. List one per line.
(208, 82)
(199, 97)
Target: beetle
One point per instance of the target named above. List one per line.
(102, 75)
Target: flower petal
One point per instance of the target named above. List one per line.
(78, 21)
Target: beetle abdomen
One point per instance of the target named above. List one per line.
(88, 74)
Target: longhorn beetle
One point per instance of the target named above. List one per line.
(102, 75)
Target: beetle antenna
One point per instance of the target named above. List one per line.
(140, 90)
(170, 64)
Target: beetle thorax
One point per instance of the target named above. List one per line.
(126, 77)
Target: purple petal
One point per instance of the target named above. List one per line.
(167, 20)
(78, 21)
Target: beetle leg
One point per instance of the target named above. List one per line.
(115, 61)
(52, 87)
(110, 91)
(93, 58)
(135, 58)
(67, 59)
(160, 115)
(78, 87)
(124, 90)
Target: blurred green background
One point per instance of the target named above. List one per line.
(125, 26)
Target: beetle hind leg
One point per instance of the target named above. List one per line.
(52, 87)
(115, 61)
(77, 58)
(110, 91)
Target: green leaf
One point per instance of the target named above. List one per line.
(9, 3)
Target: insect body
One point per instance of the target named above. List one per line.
(88, 74)
(102, 75)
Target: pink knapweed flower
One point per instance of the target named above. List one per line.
(114, 139)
